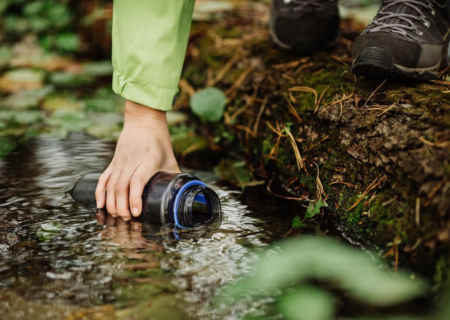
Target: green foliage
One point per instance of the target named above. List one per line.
(314, 208)
(98, 68)
(51, 20)
(27, 98)
(300, 261)
(237, 173)
(6, 145)
(48, 231)
(209, 104)
(297, 223)
(307, 303)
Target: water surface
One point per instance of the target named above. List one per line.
(93, 264)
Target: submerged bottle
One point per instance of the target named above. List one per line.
(168, 198)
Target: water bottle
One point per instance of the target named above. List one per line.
(176, 199)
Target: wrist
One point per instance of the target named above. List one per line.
(137, 113)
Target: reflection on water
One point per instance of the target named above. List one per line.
(93, 259)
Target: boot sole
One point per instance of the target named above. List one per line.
(375, 62)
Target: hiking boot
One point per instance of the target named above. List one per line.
(406, 39)
(304, 26)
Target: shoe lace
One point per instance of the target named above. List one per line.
(383, 18)
(302, 5)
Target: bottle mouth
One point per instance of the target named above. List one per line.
(196, 205)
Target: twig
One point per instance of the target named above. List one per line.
(342, 107)
(371, 187)
(258, 118)
(331, 104)
(320, 99)
(280, 196)
(290, 65)
(340, 60)
(248, 104)
(224, 70)
(373, 93)
(433, 193)
(239, 81)
(185, 85)
(442, 145)
(418, 212)
(293, 111)
(342, 182)
(246, 129)
(298, 157)
(387, 109)
(306, 89)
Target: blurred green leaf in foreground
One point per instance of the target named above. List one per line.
(298, 263)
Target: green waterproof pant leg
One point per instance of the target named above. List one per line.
(149, 45)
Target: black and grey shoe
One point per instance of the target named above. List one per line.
(407, 39)
(304, 26)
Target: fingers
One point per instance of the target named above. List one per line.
(100, 191)
(138, 181)
(122, 191)
(111, 192)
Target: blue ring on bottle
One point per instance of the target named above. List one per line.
(193, 183)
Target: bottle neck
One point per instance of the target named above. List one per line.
(196, 205)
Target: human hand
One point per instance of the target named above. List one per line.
(143, 149)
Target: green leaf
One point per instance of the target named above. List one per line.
(98, 69)
(67, 42)
(314, 208)
(27, 98)
(205, 11)
(209, 104)
(33, 8)
(349, 269)
(6, 146)
(296, 222)
(38, 24)
(48, 231)
(24, 76)
(5, 55)
(70, 79)
(27, 117)
(307, 303)
(65, 121)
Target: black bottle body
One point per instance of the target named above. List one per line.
(168, 198)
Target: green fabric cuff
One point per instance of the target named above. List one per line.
(148, 94)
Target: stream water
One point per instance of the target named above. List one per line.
(60, 260)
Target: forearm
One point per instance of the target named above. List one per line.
(149, 45)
